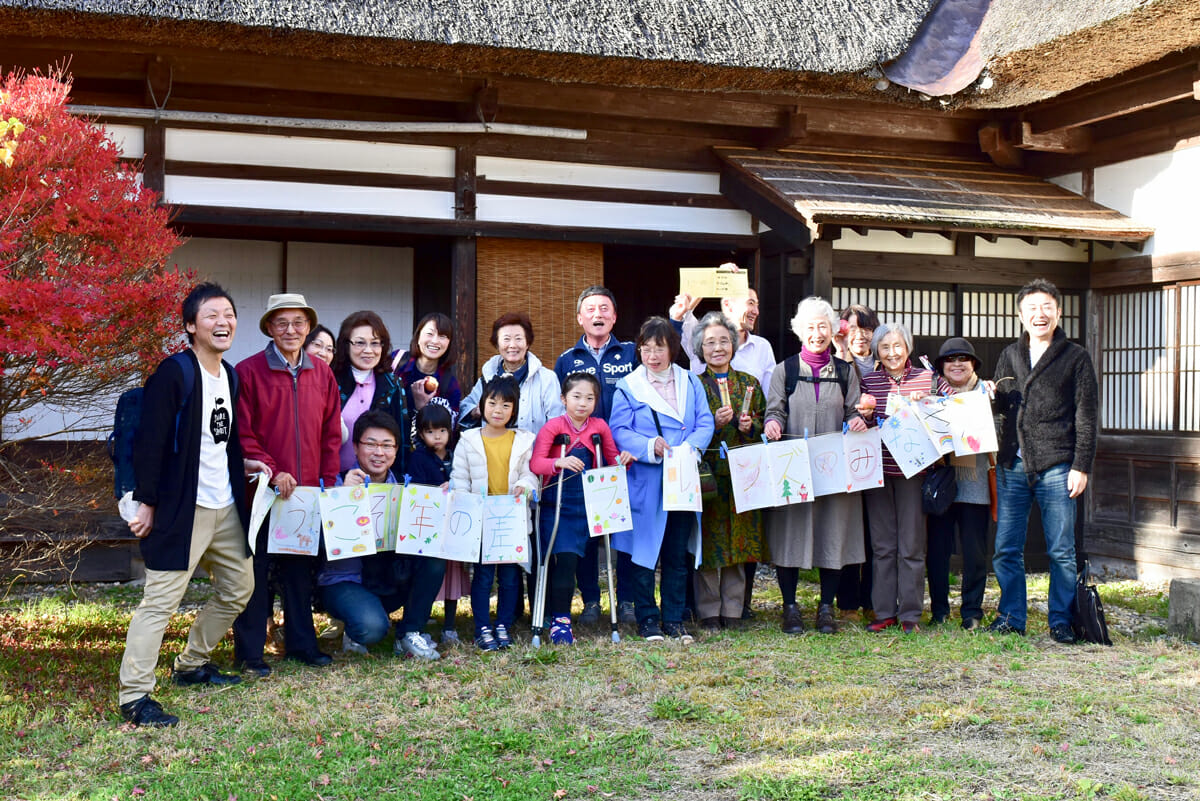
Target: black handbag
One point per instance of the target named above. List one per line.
(1087, 612)
(939, 489)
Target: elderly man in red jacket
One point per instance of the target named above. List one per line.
(290, 416)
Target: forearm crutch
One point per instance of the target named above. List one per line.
(539, 600)
(612, 595)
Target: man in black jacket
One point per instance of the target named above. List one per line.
(192, 508)
(1046, 418)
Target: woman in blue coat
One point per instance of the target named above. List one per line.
(659, 406)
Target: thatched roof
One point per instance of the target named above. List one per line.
(825, 47)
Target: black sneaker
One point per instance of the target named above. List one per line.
(626, 614)
(311, 658)
(590, 615)
(676, 631)
(650, 630)
(1063, 634)
(971, 624)
(205, 674)
(145, 711)
(256, 666)
(1001, 626)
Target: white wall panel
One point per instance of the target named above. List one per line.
(891, 242)
(621, 216)
(131, 139)
(1160, 191)
(340, 279)
(596, 175)
(1007, 247)
(305, 152)
(321, 198)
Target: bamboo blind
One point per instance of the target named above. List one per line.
(542, 279)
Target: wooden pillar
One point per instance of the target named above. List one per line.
(154, 157)
(463, 267)
(822, 268)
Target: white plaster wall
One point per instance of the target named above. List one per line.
(1158, 190)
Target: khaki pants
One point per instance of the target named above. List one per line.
(219, 546)
(721, 592)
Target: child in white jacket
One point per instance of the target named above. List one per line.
(494, 460)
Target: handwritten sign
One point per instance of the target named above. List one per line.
(971, 423)
(505, 535)
(908, 441)
(346, 522)
(710, 282)
(260, 507)
(932, 411)
(606, 500)
(791, 472)
(681, 480)
(864, 459)
(827, 462)
(462, 533)
(750, 475)
(295, 524)
(421, 518)
(384, 503)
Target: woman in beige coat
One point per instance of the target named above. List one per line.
(826, 533)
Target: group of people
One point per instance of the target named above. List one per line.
(315, 409)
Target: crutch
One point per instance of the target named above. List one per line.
(539, 600)
(612, 596)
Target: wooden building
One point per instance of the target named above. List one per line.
(474, 156)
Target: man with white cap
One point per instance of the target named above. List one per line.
(290, 414)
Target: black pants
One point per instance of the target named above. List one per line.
(971, 521)
(561, 584)
(855, 585)
(295, 575)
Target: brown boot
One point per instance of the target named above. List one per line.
(792, 622)
(825, 620)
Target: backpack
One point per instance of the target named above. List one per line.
(129, 416)
(1087, 613)
(791, 375)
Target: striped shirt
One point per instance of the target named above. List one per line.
(880, 384)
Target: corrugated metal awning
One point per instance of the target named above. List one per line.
(944, 194)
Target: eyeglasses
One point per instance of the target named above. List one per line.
(321, 348)
(959, 357)
(300, 325)
(654, 349)
(712, 343)
(376, 445)
(362, 344)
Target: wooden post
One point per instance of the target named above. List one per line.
(154, 158)
(822, 268)
(463, 268)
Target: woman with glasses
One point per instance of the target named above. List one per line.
(364, 380)
(958, 364)
(541, 395)
(658, 407)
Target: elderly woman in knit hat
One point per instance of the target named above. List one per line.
(959, 366)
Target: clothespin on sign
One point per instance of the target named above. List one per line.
(724, 450)
(845, 428)
(407, 479)
(321, 481)
(765, 440)
(806, 433)
(535, 495)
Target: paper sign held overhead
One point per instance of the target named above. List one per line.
(710, 282)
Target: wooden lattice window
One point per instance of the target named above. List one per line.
(1150, 359)
(928, 312)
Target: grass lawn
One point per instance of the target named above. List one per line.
(748, 714)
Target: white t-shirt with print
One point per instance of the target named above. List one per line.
(214, 490)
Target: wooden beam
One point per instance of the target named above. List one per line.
(792, 129)
(463, 272)
(1067, 140)
(465, 191)
(995, 141)
(1143, 270)
(1136, 91)
(767, 205)
(154, 159)
(970, 271)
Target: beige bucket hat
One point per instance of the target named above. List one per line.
(287, 300)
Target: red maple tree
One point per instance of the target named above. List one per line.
(87, 306)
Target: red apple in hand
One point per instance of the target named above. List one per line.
(866, 405)
(431, 385)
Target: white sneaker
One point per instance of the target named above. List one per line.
(349, 646)
(414, 645)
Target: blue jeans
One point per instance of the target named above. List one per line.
(1017, 490)
(364, 613)
(509, 580)
(673, 561)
